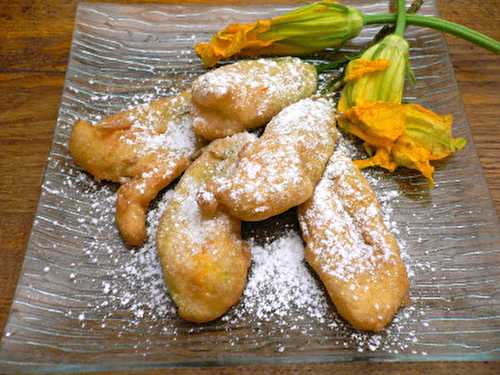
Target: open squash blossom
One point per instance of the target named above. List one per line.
(308, 29)
(406, 135)
(378, 75)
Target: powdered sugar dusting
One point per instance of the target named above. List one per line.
(351, 240)
(280, 283)
(286, 160)
(283, 301)
(283, 298)
(164, 124)
(278, 79)
(178, 137)
(190, 220)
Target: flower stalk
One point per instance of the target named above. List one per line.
(401, 20)
(440, 24)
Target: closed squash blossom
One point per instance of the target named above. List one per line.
(378, 75)
(308, 29)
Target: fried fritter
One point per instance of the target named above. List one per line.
(351, 249)
(247, 94)
(144, 149)
(280, 169)
(204, 259)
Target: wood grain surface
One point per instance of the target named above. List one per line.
(35, 37)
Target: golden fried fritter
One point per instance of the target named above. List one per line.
(280, 169)
(204, 259)
(247, 94)
(351, 249)
(144, 148)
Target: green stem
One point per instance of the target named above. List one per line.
(438, 24)
(401, 20)
(321, 68)
(389, 28)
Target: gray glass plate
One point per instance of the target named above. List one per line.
(85, 302)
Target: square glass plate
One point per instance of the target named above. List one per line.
(85, 302)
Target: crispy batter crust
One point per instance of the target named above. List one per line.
(204, 259)
(351, 249)
(279, 170)
(247, 94)
(144, 148)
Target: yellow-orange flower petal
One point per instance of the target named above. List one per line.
(377, 123)
(232, 40)
(410, 154)
(361, 67)
(382, 158)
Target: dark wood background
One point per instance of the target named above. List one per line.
(35, 36)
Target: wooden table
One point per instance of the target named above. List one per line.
(35, 36)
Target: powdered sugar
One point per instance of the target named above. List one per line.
(189, 219)
(283, 304)
(339, 206)
(280, 283)
(274, 171)
(282, 296)
(279, 79)
(165, 126)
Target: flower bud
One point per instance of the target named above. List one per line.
(378, 75)
(314, 27)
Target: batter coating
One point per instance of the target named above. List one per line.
(281, 169)
(205, 261)
(144, 149)
(351, 249)
(247, 94)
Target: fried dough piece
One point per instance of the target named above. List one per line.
(247, 94)
(205, 261)
(351, 249)
(281, 168)
(144, 149)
